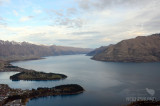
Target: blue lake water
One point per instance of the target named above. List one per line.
(105, 83)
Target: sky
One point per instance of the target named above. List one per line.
(78, 23)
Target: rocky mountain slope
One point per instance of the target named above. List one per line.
(139, 49)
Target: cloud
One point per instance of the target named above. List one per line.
(58, 13)
(4, 1)
(50, 35)
(26, 18)
(102, 4)
(66, 17)
(69, 22)
(2, 22)
(65, 40)
(125, 18)
(72, 22)
(85, 33)
(71, 11)
(1, 19)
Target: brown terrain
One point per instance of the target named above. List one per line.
(139, 49)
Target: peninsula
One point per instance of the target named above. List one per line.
(9, 95)
(7, 67)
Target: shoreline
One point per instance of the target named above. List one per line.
(38, 58)
(6, 66)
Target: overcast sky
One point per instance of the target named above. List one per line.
(79, 23)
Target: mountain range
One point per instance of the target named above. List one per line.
(139, 49)
(11, 50)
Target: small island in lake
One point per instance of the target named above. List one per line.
(9, 95)
(37, 76)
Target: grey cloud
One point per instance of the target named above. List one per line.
(65, 40)
(3, 22)
(62, 13)
(58, 13)
(71, 11)
(152, 25)
(149, 19)
(143, 21)
(84, 33)
(1, 19)
(101, 4)
(70, 22)
(63, 18)
(3, 1)
(30, 16)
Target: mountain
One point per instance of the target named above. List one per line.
(23, 50)
(139, 49)
(97, 50)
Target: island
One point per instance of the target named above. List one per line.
(10, 96)
(37, 76)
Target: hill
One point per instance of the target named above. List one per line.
(139, 49)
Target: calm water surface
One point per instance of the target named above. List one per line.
(106, 83)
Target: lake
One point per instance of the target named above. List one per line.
(105, 83)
